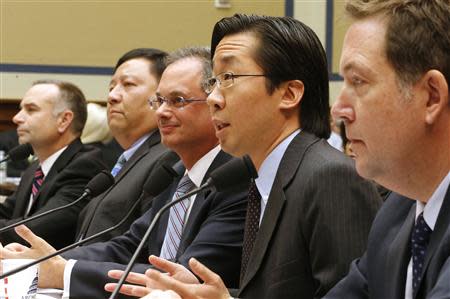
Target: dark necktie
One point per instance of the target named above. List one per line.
(177, 219)
(420, 237)
(37, 181)
(251, 225)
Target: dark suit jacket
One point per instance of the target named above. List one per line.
(213, 234)
(111, 206)
(316, 222)
(64, 183)
(381, 272)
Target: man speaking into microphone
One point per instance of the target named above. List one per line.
(208, 226)
(51, 118)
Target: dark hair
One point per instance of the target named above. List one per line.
(71, 98)
(417, 34)
(287, 50)
(155, 56)
(203, 54)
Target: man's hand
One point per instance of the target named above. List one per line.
(177, 271)
(212, 288)
(51, 272)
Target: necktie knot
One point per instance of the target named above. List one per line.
(119, 164)
(420, 238)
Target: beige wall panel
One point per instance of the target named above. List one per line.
(340, 26)
(94, 87)
(313, 14)
(96, 33)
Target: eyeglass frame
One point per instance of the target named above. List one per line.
(210, 87)
(170, 102)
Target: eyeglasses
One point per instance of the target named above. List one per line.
(224, 80)
(177, 102)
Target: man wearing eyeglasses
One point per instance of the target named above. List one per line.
(208, 226)
(309, 213)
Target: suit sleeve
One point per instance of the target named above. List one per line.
(339, 213)
(59, 228)
(217, 243)
(441, 290)
(354, 285)
(89, 274)
(7, 209)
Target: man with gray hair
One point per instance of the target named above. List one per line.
(51, 118)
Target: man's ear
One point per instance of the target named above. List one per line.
(65, 119)
(436, 90)
(292, 94)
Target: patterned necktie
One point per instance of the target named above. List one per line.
(35, 187)
(420, 237)
(119, 164)
(37, 182)
(176, 220)
(251, 225)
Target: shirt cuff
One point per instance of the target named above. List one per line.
(67, 273)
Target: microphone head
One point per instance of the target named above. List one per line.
(162, 175)
(235, 172)
(100, 183)
(20, 152)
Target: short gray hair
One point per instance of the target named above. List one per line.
(72, 98)
(203, 54)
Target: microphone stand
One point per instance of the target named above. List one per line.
(83, 196)
(207, 185)
(97, 185)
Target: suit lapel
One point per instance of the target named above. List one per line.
(186, 238)
(23, 198)
(398, 256)
(66, 156)
(199, 203)
(289, 165)
(271, 215)
(142, 151)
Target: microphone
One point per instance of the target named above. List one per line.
(234, 172)
(159, 179)
(96, 185)
(20, 152)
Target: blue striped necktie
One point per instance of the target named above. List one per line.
(119, 164)
(176, 220)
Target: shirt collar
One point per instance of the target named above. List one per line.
(269, 167)
(130, 151)
(198, 171)
(434, 204)
(47, 164)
